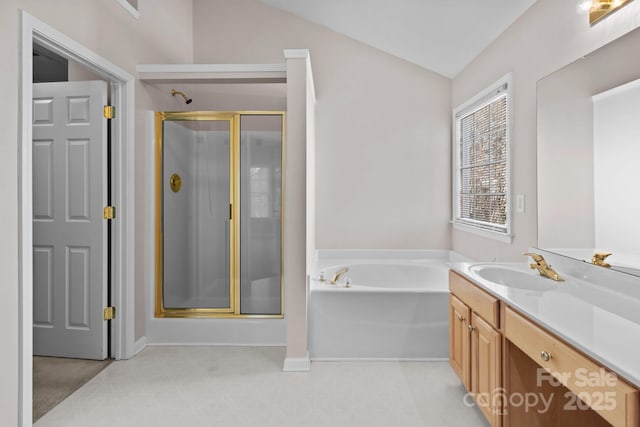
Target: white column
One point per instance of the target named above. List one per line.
(298, 211)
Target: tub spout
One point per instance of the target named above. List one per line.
(336, 277)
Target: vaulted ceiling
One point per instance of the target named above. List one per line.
(440, 35)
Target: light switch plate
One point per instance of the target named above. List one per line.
(520, 203)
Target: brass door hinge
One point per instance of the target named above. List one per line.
(109, 112)
(109, 313)
(109, 212)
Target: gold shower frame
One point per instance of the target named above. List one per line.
(233, 311)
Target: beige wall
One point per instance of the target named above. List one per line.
(223, 97)
(382, 126)
(162, 34)
(548, 36)
(9, 215)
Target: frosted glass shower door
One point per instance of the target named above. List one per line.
(261, 214)
(219, 214)
(196, 193)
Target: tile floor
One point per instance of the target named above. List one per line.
(244, 386)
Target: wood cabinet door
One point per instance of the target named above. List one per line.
(486, 369)
(459, 341)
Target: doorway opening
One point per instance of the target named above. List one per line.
(71, 241)
(121, 92)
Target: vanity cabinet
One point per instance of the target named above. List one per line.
(475, 344)
(583, 391)
(522, 375)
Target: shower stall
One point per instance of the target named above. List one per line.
(219, 214)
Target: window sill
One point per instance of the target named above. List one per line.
(495, 235)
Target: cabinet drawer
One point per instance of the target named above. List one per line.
(615, 401)
(479, 301)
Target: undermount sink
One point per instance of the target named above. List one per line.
(513, 277)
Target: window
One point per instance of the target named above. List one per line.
(481, 198)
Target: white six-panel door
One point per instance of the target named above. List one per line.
(69, 231)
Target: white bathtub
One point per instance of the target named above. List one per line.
(396, 306)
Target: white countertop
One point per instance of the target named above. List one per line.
(601, 319)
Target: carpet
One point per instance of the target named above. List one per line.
(55, 378)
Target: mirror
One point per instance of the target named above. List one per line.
(588, 154)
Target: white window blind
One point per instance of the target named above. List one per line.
(481, 171)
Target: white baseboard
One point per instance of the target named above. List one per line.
(242, 332)
(139, 345)
(214, 344)
(380, 359)
(297, 364)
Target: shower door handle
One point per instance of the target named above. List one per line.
(227, 251)
(227, 232)
(227, 236)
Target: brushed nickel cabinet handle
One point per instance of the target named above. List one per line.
(545, 355)
(471, 328)
(461, 318)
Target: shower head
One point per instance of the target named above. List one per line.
(187, 100)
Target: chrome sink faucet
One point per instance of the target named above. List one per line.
(543, 268)
(336, 277)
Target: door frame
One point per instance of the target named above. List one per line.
(123, 169)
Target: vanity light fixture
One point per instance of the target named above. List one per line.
(601, 8)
